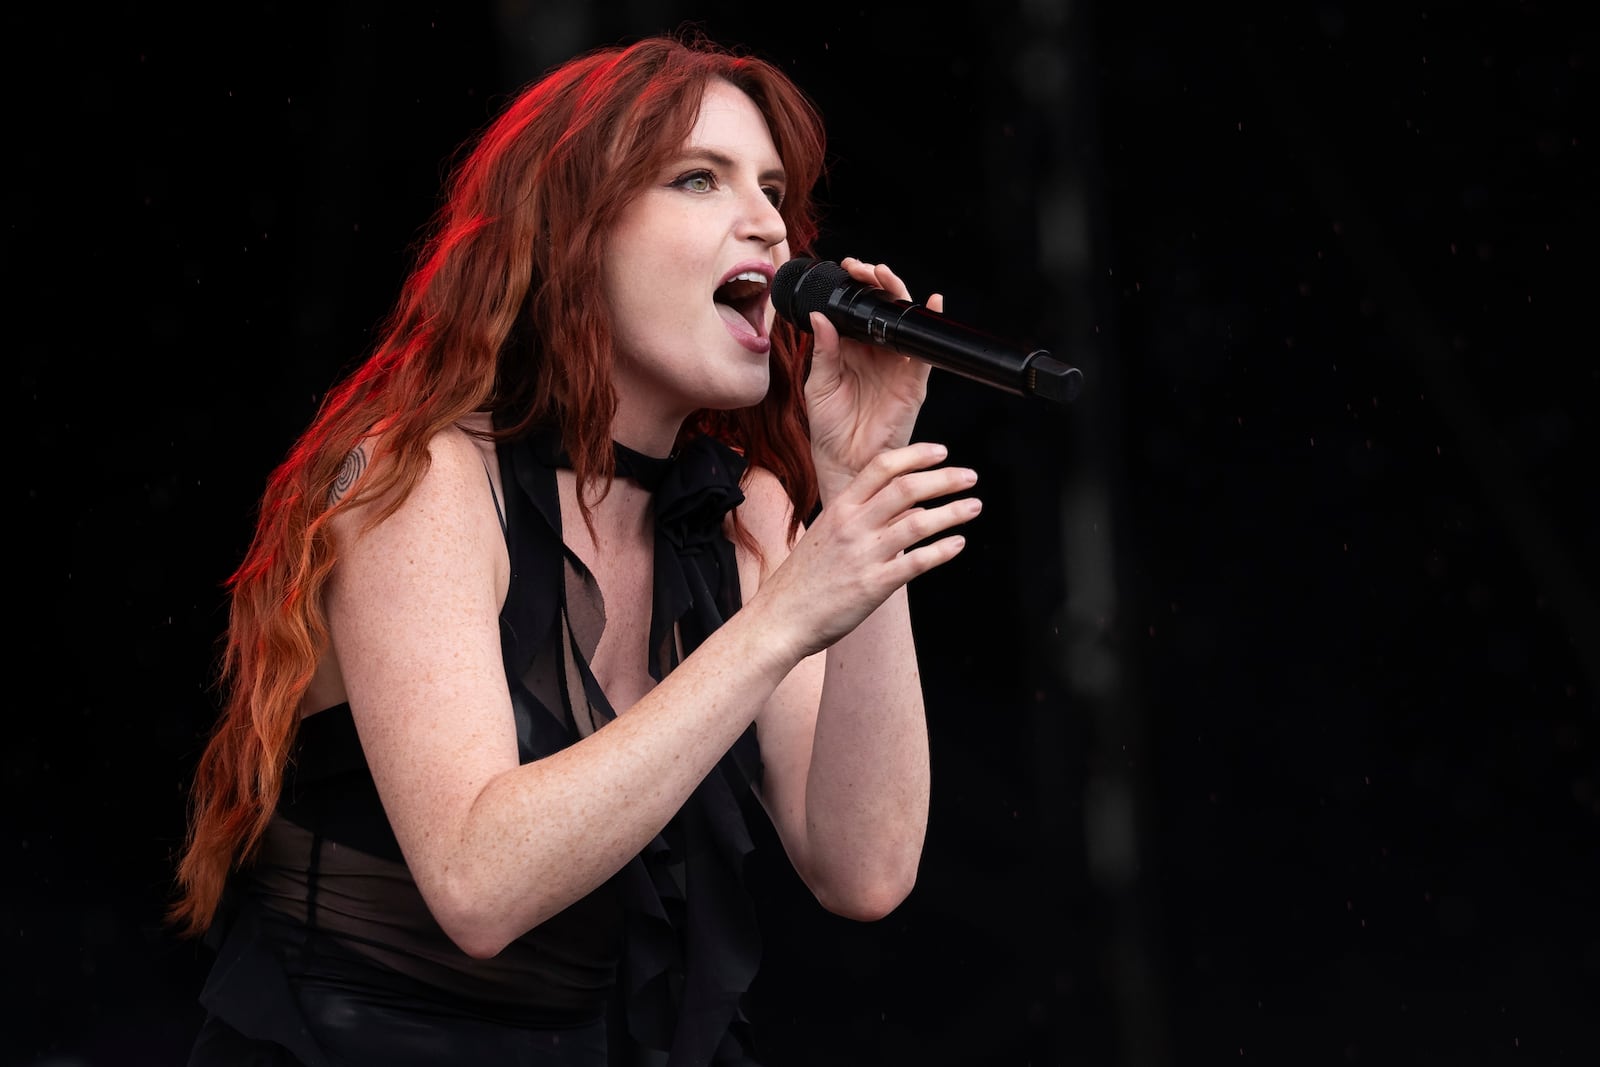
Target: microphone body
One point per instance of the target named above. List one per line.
(867, 313)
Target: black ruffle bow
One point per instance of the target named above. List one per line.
(699, 487)
(696, 584)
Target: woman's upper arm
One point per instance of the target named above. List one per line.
(787, 722)
(413, 605)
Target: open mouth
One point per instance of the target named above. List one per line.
(746, 294)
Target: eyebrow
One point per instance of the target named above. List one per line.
(727, 162)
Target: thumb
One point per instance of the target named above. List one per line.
(824, 375)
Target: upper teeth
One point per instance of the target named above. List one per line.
(749, 276)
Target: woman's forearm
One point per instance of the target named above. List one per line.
(867, 789)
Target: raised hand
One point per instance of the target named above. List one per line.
(861, 399)
(860, 551)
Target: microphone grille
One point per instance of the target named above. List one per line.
(803, 285)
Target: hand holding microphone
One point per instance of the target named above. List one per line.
(867, 313)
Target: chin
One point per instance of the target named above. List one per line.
(736, 395)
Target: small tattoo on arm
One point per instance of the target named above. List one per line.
(349, 473)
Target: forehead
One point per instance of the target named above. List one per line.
(729, 119)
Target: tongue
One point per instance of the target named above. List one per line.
(737, 323)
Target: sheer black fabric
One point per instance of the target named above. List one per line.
(327, 953)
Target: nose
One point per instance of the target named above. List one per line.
(762, 221)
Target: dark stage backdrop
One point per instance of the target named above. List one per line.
(1263, 702)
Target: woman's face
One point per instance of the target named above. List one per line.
(687, 275)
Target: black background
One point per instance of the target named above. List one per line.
(1264, 700)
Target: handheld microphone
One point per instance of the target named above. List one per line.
(867, 313)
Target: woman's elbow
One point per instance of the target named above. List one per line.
(868, 899)
(475, 935)
(478, 944)
(476, 928)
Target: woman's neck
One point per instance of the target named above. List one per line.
(646, 430)
(623, 515)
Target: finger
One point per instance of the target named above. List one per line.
(907, 491)
(888, 280)
(876, 274)
(918, 561)
(825, 334)
(824, 351)
(890, 464)
(936, 303)
(919, 524)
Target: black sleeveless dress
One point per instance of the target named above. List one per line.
(326, 952)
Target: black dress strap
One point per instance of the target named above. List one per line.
(498, 510)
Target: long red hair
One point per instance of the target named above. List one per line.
(499, 314)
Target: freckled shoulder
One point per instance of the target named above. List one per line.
(451, 446)
(473, 430)
(765, 501)
(765, 514)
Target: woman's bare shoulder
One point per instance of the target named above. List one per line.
(764, 513)
(766, 502)
(458, 457)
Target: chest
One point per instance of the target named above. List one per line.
(611, 617)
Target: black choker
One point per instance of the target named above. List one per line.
(648, 471)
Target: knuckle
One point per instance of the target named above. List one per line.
(904, 494)
(918, 524)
